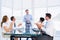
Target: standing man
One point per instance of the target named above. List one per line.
(28, 21)
(48, 29)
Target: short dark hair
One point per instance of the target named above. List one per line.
(48, 15)
(42, 19)
(26, 10)
(12, 18)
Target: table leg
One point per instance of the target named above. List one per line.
(34, 38)
(27, 38)
(11, 38)
(20, 38)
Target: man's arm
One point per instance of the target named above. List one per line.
(31, 18)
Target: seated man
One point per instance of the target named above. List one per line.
(14, 25)
(48, 28)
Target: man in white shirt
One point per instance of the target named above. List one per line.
(14, 25)
(48, 29)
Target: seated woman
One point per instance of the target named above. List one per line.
(6, 27)
(40, 23)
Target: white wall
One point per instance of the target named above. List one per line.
(37, 8)
(0, 10)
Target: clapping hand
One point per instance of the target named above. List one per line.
(19, 24)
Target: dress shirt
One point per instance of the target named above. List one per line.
(49, 28)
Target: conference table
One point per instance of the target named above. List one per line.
(23, 35)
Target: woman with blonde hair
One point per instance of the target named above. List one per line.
(6, 27)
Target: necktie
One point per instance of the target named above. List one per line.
(43, 32)
(14, 26)
(46, 24)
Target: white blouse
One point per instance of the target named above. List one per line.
(7, 24)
